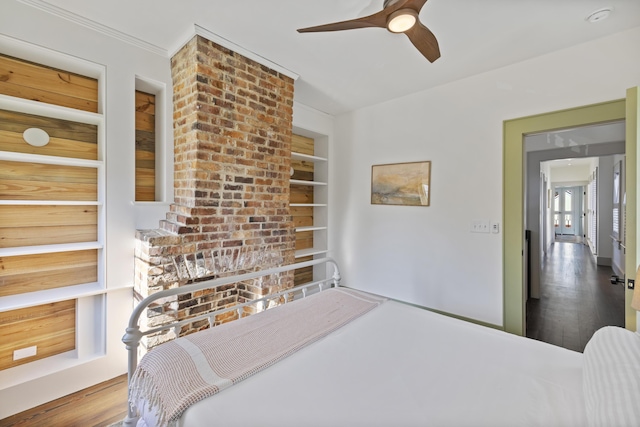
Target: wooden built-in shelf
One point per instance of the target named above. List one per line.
(310, 252)
(51, 202)
(308, 185)
(48, 249)
(49, 160)
(15, 302)
(301, 182)
(52, 214)
(28, 106)
(307, 157)
(29, 299)
(311, 228)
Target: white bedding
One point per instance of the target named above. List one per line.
(403, 366)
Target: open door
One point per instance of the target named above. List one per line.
(631, 209)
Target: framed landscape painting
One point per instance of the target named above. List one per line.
(406, 184)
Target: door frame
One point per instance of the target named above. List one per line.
(514, 131)
(631, 211)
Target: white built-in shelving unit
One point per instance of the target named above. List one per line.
(32, 299)
(320, 196)
(90, 314)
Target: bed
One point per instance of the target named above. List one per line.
(335, 356)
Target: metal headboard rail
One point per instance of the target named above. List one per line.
(134, 335)
(211, 315)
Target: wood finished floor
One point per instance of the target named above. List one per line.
(576, 298)
(96, 406)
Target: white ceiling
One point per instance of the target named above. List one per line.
(570, 163)
(346, 70)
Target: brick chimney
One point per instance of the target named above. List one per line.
(232, 146)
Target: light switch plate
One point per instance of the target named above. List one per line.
(495, 227)
(479, 226)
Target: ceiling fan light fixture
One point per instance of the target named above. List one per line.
(402, 20)
(599, 15)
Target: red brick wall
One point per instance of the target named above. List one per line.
(232, 147)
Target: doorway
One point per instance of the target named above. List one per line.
(566, 212)
(514, 192)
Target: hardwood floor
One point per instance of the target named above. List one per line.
(576, 298)
(99, 405)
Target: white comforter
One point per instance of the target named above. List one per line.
(402, 366)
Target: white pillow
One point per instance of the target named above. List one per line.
(611, 379)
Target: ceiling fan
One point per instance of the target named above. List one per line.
(398, 16)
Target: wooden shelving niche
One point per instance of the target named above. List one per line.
(50, 208)
(145, 147)
(308, 202)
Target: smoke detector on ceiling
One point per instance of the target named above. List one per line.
(599, 15)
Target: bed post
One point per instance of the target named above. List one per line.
(336, 274)
(131, 339)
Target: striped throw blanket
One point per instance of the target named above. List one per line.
(182, 372)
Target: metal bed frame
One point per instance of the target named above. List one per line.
(134, 334)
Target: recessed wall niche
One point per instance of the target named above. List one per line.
(51, 211)
(148, 187)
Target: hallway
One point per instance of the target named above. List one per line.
(577, 298)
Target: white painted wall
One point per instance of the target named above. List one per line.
(426, 255)
(123, 63)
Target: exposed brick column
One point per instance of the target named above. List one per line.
(232, 147)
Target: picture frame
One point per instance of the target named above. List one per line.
(404, 184)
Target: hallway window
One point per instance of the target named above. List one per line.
(567, 221)
(568, 201)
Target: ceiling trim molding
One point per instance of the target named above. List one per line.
(93, 25)
(211, 36)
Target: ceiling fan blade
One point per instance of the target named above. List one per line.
(376, 20)
(414, 4)
(424, 40)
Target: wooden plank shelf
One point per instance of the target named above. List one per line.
(301, 182)
(307, 157)
(48, 249)
(50, 202)
(309, 252)
(49, 110)
(49, 160)
(15, 302)
(308, 205)
(311, 228)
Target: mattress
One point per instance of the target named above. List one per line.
(400, 365)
